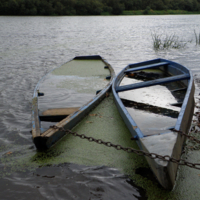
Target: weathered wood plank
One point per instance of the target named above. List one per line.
(35, 120)
(59, 111)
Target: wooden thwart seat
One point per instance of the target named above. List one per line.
(155, 65)
(59, 111)
(153, 82)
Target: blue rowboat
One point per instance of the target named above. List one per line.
(155, 98)
(66, 94)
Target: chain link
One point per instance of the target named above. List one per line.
(187, 136)
(138, 152)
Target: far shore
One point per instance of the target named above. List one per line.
(159, 12)
(132, 12)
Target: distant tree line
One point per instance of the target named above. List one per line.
(91, 7)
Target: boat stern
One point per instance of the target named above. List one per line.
(163, 145)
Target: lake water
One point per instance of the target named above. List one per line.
(32, 46)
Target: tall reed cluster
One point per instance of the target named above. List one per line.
(161, 42)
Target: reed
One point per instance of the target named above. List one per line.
(161, 42)
(197, 37)
(157, 43)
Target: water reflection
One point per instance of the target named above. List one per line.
(70, 181)
(149, 104)
(67, 88)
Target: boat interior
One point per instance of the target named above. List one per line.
(153, 90)
(67, 88)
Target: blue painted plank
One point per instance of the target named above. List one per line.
(153, 82)
(147, 67)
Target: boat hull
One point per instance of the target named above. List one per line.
(163, 143)
(43, 108)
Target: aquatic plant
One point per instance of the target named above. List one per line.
(156, 41)
(197, 37)
(161, 42)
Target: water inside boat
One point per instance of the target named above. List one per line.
(155, 109)
(69, 87)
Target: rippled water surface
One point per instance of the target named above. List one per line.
(32, 46)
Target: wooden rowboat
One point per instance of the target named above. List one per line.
(66, 94)
(155, 98)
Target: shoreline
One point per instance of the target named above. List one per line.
(132, 12)
(159, 12)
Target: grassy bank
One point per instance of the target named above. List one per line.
(158, 12)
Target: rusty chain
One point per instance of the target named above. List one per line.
(136, 151)
(187, 136)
